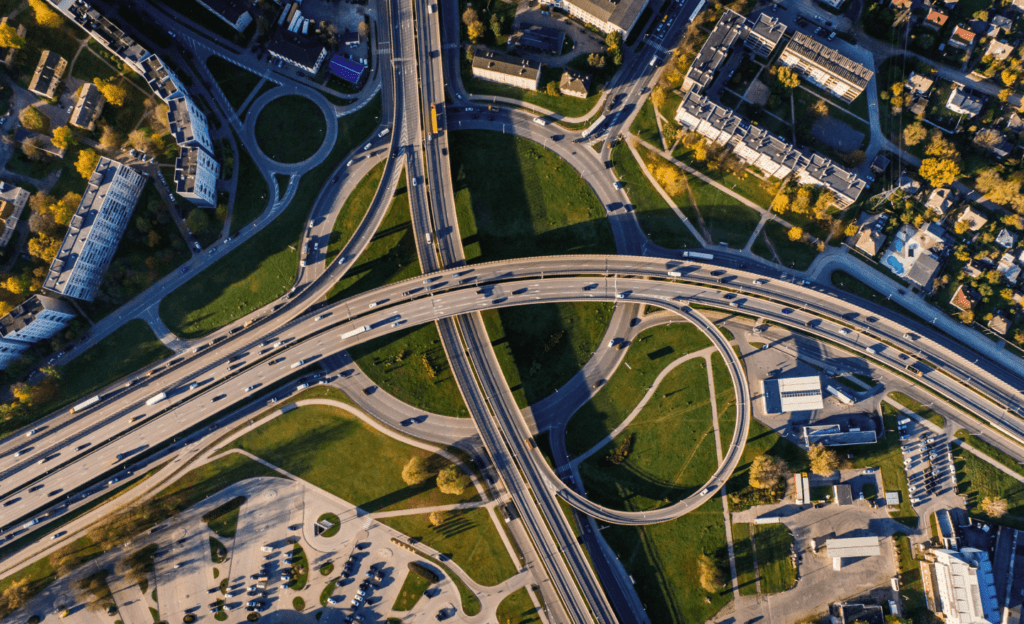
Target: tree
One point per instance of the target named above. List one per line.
(44, 247)
(658, 96)
(781, 203)
(995, 188)
(803, 200)
(787, 78)
(63, 137)
(30, 148)
(141, 140)
(497, 25)
(766, 472)
(451, 480)
(851, 229)
(939, 172)
(363, 29)
(9, 37)
(114, 94)
(22, 392)
(45, 16)
(994, 506)
(475, 30)
(820, 108)
(437, 518)
(596, 60)
(33, 120)
(16, 594)
(941, 147)
(915, 133)
(981, 15)
(989, 137)
(111, 140)
(711, 577)
(967, 317)
(824, 461)
(617, 57)
(795, 233)
(415, 471)
(613, 40)
(552, 89)
(86, 163)
(63, 210)
(668, 176)
(18, 284)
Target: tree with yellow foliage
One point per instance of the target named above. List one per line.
(63, 210)
(9, 37)
(63, 137)
(939, 172)
(114, 94)
(45, 16)
(44, 247)
(781, 203)
(795, 233)
(86, 163)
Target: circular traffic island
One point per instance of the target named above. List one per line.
(290, 129)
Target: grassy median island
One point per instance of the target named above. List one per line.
(235, 82)
(290, 129)
(665, 454)
(353, 211)
(411, 592)
(411, 364)
(516, 199)
(468, 537)
(517, 608)
(264, 267)
(336, 451)
(657, 219)
(541, 347)
(650, 353)
(251, 196)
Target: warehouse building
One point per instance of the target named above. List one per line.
(851, 548)
(966, 586)
(795, 394)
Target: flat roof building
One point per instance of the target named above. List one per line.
(349, 70)
(764, 35)
(232, 12)
(161, 79)
(842, 494)
(188, 124)
(791, 395)
(10, 351)
(302, 51)
(574, 84)
(851, 548)
(946, 531)
(49, 71)
(12, 203)
(38, 318)
(195, 176)
(505, 69)
(538, 38)
(967, 591)
(95, 230)
(106, 33)
(825, 67)
(88, 108)
(605, 15)
(833, 435)
(728, 30)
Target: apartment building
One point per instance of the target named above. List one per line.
(49, 71)
(105, 32)
(195, 176)
(825, 67)
(161, 79)
(12, 203)
(764, 35)
(88, 108)
(38, 318)
(505, 69)
(729, 29)
(95, 230)
(606, 15)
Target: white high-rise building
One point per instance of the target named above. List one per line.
(967, 589)
(195, 176)
(38, 318)
(188, 124)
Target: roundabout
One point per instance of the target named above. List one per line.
(290, 129)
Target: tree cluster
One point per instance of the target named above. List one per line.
(767, 472)
(710, 574)
(824, 461)
(451, 480)
(474, 27)
(621, 452)
(422, 571)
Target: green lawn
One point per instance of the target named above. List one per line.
(886, 455)
(645, 125)
(391, 255)
(102, 364)
(560, 104)
(517, 608)
(797, 255)
(516, 199)
(290, 129)
(673, 447)
(657, 219)
(252, 193)
(331, 532)
(761, 440)
(915, 607)
(327, 447)
(236, 83)
(411, 364)
(652, 351)
(541, 347)
(468, 537)
(743, 549)
(411, 592)
(772, 543)
(925, 412)
(353, 211)
(977, 479)
(226, 524)
(218, 551)
(264, 267)
(300, 568)
(993, 452)
(89, 66)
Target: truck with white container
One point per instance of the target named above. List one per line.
(156, 399)
(355, 332)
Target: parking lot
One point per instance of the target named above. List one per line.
(929, 464)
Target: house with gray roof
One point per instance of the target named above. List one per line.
(49, 71)
(605, 15)
(574, 84)
(963, 103)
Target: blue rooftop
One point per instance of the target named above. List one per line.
(347, 69)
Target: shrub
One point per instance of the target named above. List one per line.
(620, 454)
(231, 505)
(423, 571)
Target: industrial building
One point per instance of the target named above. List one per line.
(794, 394)
(296, 49)
(95, 230)
(834, 435)
(966, 587)
(851, 548)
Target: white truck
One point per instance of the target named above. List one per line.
(355, 332)
(156, 399)
(698, 254)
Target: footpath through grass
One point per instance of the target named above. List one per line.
(657, 219)
(411, 364)
(650, 353)
(993, 452)
(391, 255)
(977, 479)
(102, 364)
(290, 129)
(516, 199)
(264, 267)
(772, 544)
(353, 211)
(236, 83)
(671, 447)
(468, 537)
(541, 347)
(924, 412)
(792, 254)
(517, 608)
(336, 451)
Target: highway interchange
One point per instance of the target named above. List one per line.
(68, 452)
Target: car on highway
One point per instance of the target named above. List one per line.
(250, 388)
(787, 311)
(184, 269)
(58, 534)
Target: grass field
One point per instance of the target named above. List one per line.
(772, 543)
(236, 83)
(652, 351)
(925, 412)
(977, 479)
(264, 267)
(290, 129)
(743, 549)
(353, 211)
(517, 608)
(645, 125)
(468, 537)
(515, 199)
(656, 217)
(336, 451)
(540, 347)
(226, 524)
(411, 592)
(673, 447)
(412, 365)
(390, 256)
(102, 364)
(761, 440)
(725, 398)
(915, 607)
(252, 194)
(886, 456)
(89, 66)
(993, 452)
(793, 254)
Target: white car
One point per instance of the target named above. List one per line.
(334, 600)
(318, 317)
(250, 388)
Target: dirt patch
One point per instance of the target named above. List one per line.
(757, 93)
(837, 134)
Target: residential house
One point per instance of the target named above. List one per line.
(963, 103)
(914, 253)
(1014, 123)
(1000, 149)
(918, 84)
(999, 50)
(999, 25)
(1008, 267)
(234, 13)
(972, 270)
(936, 18)
(12, 203)
(870, 241)
(505, 69)
(88, 108)
(940, 200)
(961, 38)
(879, 164)
(965, 297)
(825, 67)
(901, 5)
(1006, 238)
(48, 73)
(1018, 4)
(574, 84)
(605, 15)
(1000, 323)
(974, 220)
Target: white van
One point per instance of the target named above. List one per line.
(301, 386)
(298, 364)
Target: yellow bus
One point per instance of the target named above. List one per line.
(433, 119)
